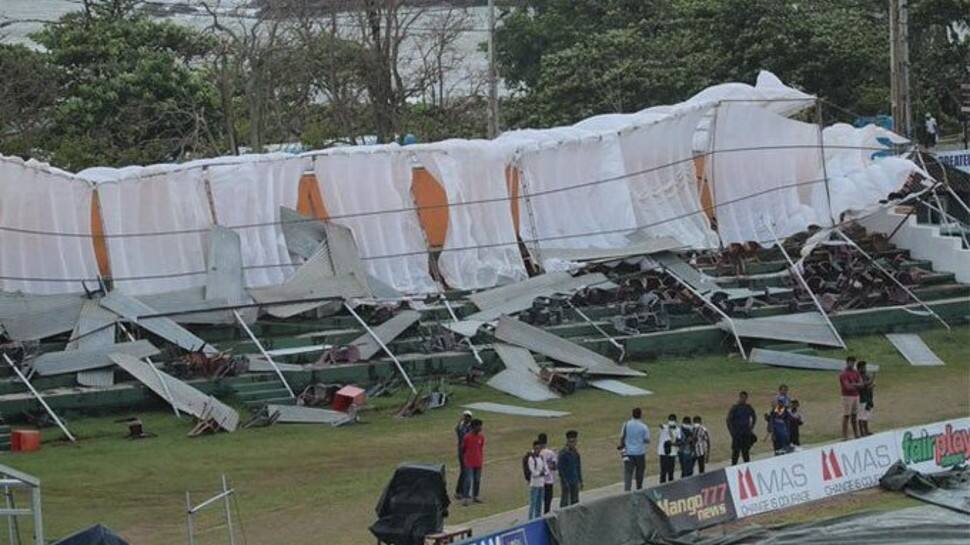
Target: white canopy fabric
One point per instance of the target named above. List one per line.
(171, 202)
(575, 193)
(662, 180)
(247, 199)
(473, 172)
(759, 162)
(368, 189)
(45, 229)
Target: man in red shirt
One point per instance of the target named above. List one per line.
(850, 380)
(473, 458)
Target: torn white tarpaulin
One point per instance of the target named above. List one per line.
(764, 168)
(473, 171)
(155, 221)
(45, 229)
(662, 180)
(172, 390)
(369, 191)
(573, 189)
(247, 197)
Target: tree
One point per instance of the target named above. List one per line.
(29, 89)
(569, 59)
(131, 92)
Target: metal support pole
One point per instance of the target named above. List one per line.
(801, 280)
(40, 399)
(226, 493)
(602, 332)
(893, 278)
(454, 318)
(383, 346)
(161, 380)
(710, 305)
(13, 528)
(821, 146)
(188, 517)
(266, 355)
(493, 123)
(38, 515)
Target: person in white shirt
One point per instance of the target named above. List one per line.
(932, 130)
(537, 480)
(634, 437)
(702, 443)
(667, 449)
(550, 457)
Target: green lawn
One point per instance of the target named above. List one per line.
(310, 485)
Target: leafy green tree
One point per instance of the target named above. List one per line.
(565, 60)
(131, 92)
(29, 89)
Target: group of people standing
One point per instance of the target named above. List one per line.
(687, 442)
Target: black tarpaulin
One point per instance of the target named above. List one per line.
(927, 525)
(95, 535)
(413, 505)
(950, 489)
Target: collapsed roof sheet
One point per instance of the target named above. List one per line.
(185, 397)
(913, 348)
(95, 327)
(293, 414)
(646, 247)
(133, 310)
(619, 388)
(33, 317)
(514, 410)
(807, 327)
(686, 272)
(799, 361)
(387, 332)
(538, 340)
(224, 270)
(512, 298)
(55, 363)
(520, 378)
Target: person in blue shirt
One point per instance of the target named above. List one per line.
(634, 437)
(570, 467)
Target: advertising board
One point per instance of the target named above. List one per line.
(936, 447)
(534, 532)
(774, 483)
(698, 502)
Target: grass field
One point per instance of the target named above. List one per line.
(303, 484)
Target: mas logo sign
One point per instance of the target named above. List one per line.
(770, 484)
(854, 465)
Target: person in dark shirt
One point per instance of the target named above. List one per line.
(570, 467)
(795, 423)
(865, 398)
(740, 423)
(778, 424)
(461, 430)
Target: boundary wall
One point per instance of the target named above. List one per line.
(771, 484)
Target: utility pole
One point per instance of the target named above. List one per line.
(493, 123)
(899, 58)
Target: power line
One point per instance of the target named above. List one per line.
(474, 202)
(534, 240)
